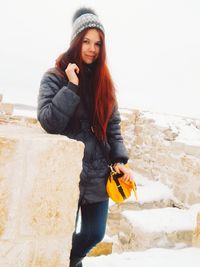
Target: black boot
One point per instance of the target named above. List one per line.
(75, 262)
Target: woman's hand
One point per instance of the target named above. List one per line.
(71, 71)
(128, 173)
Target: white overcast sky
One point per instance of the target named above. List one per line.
(153, 49)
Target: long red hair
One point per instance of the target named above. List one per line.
(102, 95)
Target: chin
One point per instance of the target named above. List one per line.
(89, 61)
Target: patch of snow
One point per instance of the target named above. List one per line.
(149, 191)
(185, 128)
(125, 111)
(163, 219)
(27, 113)
(124, 118)
(107, 239)
(189, 135)
(154, 191)
(155, 257)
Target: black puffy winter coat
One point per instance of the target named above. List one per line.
(62, 111)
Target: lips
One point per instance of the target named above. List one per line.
(89, 56)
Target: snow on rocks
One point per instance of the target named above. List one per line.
(161, 227)
(158, 219)
(165, 148)
(154, 257)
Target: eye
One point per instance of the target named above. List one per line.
(85, 41)
(99, 44)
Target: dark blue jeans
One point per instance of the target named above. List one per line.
(93, 225)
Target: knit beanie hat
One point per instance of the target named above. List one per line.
(85, 18)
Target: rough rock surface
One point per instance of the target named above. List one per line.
(196, 234)
(167, 149)
(39, 175)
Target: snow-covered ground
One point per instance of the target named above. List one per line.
(26, 113)
(155, 257)
(162, 219)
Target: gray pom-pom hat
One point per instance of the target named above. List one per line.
(85, 18)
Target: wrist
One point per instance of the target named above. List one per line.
(75, 82)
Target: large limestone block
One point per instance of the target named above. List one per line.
(39, 176)
(165, 227)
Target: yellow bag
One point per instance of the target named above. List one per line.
(117, 189)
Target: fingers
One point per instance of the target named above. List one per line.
(116, 168)
(126, 178)
(71, 71)
(128, 174)
(120, 168)
(74, 67)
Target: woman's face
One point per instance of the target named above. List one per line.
(91, 46)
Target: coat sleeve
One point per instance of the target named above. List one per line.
(56, 103)
(118, 152)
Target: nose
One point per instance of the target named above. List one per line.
(92, 47)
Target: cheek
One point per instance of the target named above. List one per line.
(83, 48)
(98, 51)
(82, 52)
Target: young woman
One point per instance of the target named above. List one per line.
(77, 99)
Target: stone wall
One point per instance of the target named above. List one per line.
(165, 148)
(39, 175)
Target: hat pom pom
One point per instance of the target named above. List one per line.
(82, 11)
